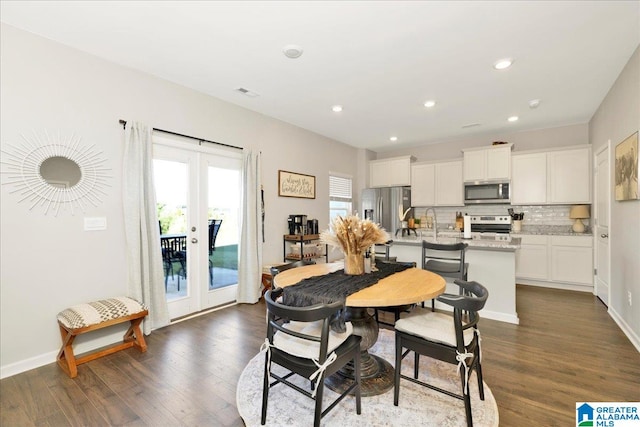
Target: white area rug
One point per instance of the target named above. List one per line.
(418, 405)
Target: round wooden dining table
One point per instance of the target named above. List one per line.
(410, 286)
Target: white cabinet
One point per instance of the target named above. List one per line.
(423, 184)
(475, 165)
(559, 261)
(487, 164)
(532, 259)
(569, 176)
(449, 186)
(437, 184)
(572, 259)
(390, 172)
(554, 177)
(529, 179)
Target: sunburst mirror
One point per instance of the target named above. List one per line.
(56, 173)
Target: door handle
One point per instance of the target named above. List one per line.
(604, 236)
(194, 240)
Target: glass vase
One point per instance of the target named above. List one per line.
(354, 264)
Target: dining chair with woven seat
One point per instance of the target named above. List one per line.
(452, 338)
(300, 340)
(446, 260)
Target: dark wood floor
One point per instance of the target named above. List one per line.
(566, 349)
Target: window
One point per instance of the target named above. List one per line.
(340, 196)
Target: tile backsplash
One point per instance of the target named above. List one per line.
(557, 215)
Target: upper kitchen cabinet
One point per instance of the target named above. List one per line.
(569, 176)
(423, 184)
(391, 172)
(529, 179)
(437, 184)
(449, 185)
(487, 163)
(561, 176)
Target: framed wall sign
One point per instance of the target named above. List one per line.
(291, 184)
(626, 172)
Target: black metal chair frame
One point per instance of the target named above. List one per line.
(465, 316)
(445, 265)
(174, 250)
(214, 228)
(274, 270)
(277, 316)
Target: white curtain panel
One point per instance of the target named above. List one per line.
(144, 257)
(250, 268)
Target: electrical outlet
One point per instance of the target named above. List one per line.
(629, 297)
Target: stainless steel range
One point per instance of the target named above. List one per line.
(490, 224)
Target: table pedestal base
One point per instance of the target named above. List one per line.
(376, 373)
(371, 385)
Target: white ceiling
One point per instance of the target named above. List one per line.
(379, 60)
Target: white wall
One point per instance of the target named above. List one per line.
(618, 117)
(49, 263)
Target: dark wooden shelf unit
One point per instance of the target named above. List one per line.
(302, 239)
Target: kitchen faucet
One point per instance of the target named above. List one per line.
(435, 222)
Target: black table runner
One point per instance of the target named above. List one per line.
(336, 286)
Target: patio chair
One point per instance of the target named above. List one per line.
(214, 227)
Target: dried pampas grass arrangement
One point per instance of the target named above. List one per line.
(353, 236)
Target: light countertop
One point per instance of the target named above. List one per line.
(551, 230)
(476, 242)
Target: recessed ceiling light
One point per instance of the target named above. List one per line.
(534, 103)
(429, 103)
(513, 119)
(292, 51)
(393, 139)
(336, 108)
(503, 63)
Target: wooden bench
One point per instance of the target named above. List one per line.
(92, 316)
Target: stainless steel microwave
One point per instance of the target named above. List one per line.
(487, 192)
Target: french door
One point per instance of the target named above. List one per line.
(198, 194)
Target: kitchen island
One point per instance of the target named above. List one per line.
(492, 263)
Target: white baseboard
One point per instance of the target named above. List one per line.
(555, 285)
(626, 329)
(484, 313)
(27, 364)
(83, 344)
(501, 317)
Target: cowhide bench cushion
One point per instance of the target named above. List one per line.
(83, 318)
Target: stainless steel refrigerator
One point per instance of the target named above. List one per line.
(382, 205)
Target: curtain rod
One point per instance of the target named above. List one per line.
(124, 125)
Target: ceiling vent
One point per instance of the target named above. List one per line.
(470, 125)
(247, 92)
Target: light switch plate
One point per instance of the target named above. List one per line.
(95, 223)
